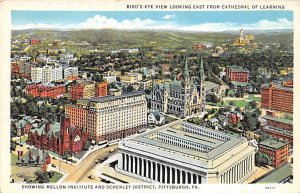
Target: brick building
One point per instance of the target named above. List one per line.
(278, 97)
(279, 128)
(61, 138)
(101, 89)
(237, 73)
(234, 117)
(34, 41)
(39, 90)
(21, 69)
(277, 150)
(82, 91)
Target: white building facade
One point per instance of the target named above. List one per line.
(46, 74)
(190, 154)
(70, 71)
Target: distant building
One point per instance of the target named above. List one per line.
(110, 117)
(51, 91)
(198, 46)
(61, 138)
(277, 150)
(243, 40)
(144, 85)
(279, 128)
(237, 73)
(46, 74)
(234, 117)
(34, 41)
(278, 97)
(84, 90)
(34, 157)
(101, 89)
(156, 118)
(70, 72)
(131, 78)
(114, 92)
(110, 78)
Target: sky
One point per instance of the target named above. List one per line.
(153, 20)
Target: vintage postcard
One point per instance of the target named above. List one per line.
(149, 96)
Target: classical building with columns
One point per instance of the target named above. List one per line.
(186, 154)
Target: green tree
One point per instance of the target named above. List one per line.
(41, 177)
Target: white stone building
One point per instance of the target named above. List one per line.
(189, 154)
(46, 74)
(70, 71)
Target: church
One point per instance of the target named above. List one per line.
(180, 97)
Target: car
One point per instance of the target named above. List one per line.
(54, 158)
(53, 165)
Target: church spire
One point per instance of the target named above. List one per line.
(186, 69)
(201, 70)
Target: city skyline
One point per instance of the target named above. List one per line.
(146, 20)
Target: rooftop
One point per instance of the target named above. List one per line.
(278, 119)
(237, 69)
(110, 98)
(273, 143)
(277, 175)
(213, 146)
(239, 83)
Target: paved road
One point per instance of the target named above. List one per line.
(79, 173)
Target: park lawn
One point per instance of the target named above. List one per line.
(56, 177)
(253, 98)
(238, 103)
(13, 158)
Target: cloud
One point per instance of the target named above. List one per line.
(103, 22)
(169, 16)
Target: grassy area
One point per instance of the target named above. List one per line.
(237, 103)
(56, 177)
(169, 119)
(13, 158)
(253, 98)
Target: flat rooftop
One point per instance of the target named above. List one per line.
(215, 146)
(273, 143)
(110, 98)
(278, 119)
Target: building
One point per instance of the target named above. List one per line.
(237, 73)
(278, 97)
(234, 117)
(84, 90)
(156, 118)
(280, 175)
(101, 89)
(110, 117)
(243, 40)
(198, 46)
(61, 138)
(51, 91)
(34, 41)
(114, 92)
(279, 128)
(182, 98)
(188, 154)
(144, 85)
(34, 157)
(46, 74)
(131, 78)
(110, 78)
(70, 72)
(277, 150)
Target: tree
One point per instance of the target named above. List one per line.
(41, 177)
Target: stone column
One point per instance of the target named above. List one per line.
(125, 162)
(143, 167)
(166, 174)
(151, 170)
(161, 173)
(133, 165)
(186, 177)
(138, 166)
(175, 171)
(147, 169)
(156, 172)
(129, 163)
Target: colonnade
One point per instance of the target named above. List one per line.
(238, 171)
(157, 171)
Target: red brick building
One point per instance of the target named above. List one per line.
(61, 138)
(279, 128)
(34, 41)
(277, 150)
(278, 97)
(101, 89)
(234, 118)
(39, 90)
(198, 46)
(236, 73)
